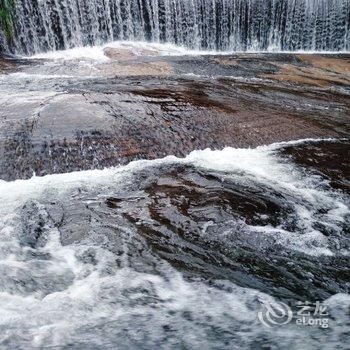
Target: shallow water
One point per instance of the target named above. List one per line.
(96, 107)
(171, 253)
(177, 253)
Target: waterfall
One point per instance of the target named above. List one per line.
(240, 25)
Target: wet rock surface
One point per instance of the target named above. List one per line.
(174, 251)
(64, 116)
(328, 159)
(217, 225)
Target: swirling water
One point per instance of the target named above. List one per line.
(175, 253)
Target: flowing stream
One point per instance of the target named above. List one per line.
(175, 253)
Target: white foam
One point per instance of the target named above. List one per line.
(304, 192)
(96, 53)
(74, 298)
(259, 165)
(97, 299)
(24, 76)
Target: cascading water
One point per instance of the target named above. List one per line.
(241, 25)
(213, 250)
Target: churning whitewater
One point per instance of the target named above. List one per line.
(166, 252)
(221, 25)
(127, 221)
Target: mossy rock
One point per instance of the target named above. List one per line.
(6, 17)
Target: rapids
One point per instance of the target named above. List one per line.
(175, 252)
(103, 249)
